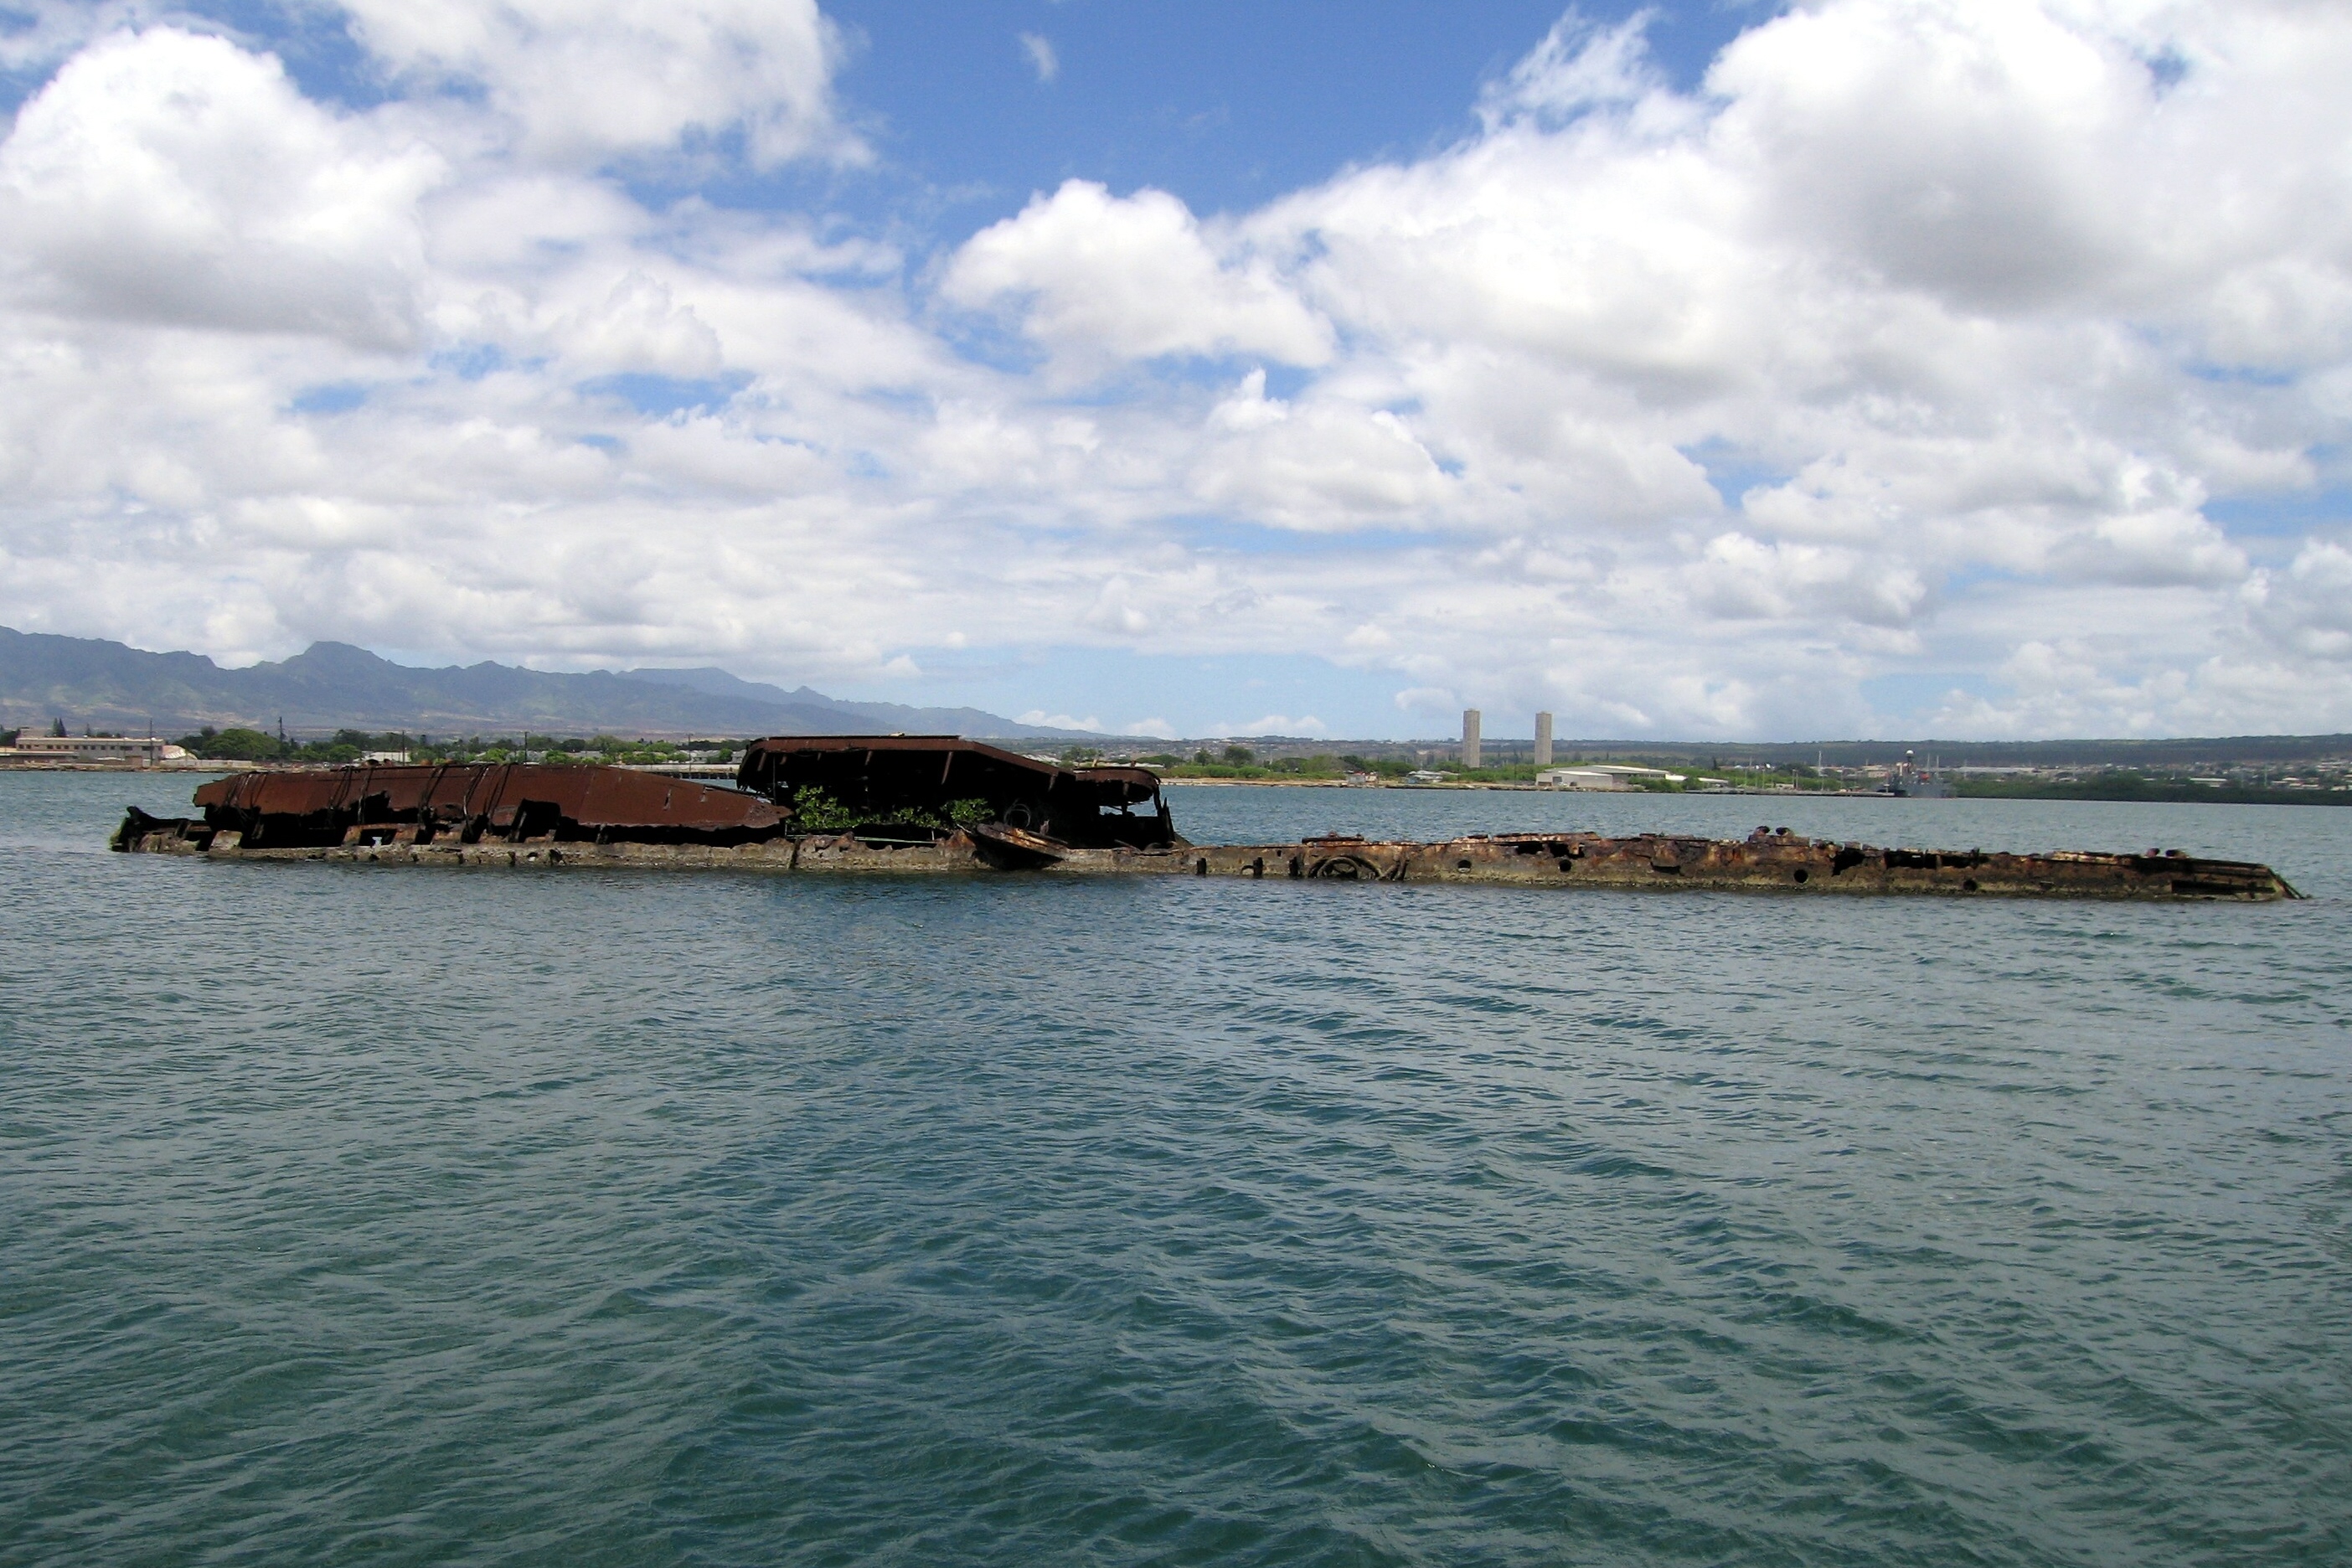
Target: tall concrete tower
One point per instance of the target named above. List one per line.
(1543, 740)
(1469, 737)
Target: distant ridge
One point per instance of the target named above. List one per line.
(331, 686)
(884, 718)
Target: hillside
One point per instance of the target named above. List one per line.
(330, 686)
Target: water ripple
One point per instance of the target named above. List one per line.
(349, 1213)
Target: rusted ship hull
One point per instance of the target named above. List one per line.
(1774, 863)
(467, 803)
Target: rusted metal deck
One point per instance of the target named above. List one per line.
(1763, 862)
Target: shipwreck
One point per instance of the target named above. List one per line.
(941, 804)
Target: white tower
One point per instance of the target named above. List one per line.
(1469, 737)
(1543, 740)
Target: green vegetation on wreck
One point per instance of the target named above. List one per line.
(818, 812)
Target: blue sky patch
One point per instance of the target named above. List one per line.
(2287, 516)
(661, 396)
(1731, 471)
(1225, 104)
(469, 362)
(336, 397)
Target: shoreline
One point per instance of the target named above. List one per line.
(701, 771)
(192, 765)
(1512, 785)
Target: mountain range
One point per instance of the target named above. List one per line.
(331, 686)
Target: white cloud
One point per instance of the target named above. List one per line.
(1276, 724)
(1060, 720)
(1739, 578)
(1321, 464)
(1039, 51)
(582, 81)
(2307, 610)
(1927, 338)
(170, 178)
(1980, 151)
(43, 32)
(1134, 277)
(639, 326)
(2156, 547)
(1157, 728)
(1576, 67)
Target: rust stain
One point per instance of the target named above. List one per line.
(513, 801)
(1044, 818)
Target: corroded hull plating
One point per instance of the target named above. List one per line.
(1775, 863)
(468, 803)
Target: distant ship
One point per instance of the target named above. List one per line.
(1914, 782)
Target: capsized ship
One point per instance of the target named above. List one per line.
(941, 804)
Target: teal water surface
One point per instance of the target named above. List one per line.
(372, 1214)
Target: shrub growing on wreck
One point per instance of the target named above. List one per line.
(818, 812)
(813, 811)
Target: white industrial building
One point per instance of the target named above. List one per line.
(96, 749)
(1579, 778)
(1603, 776)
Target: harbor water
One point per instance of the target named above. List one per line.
(369, 1214)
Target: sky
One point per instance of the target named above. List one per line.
(1964, 368)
